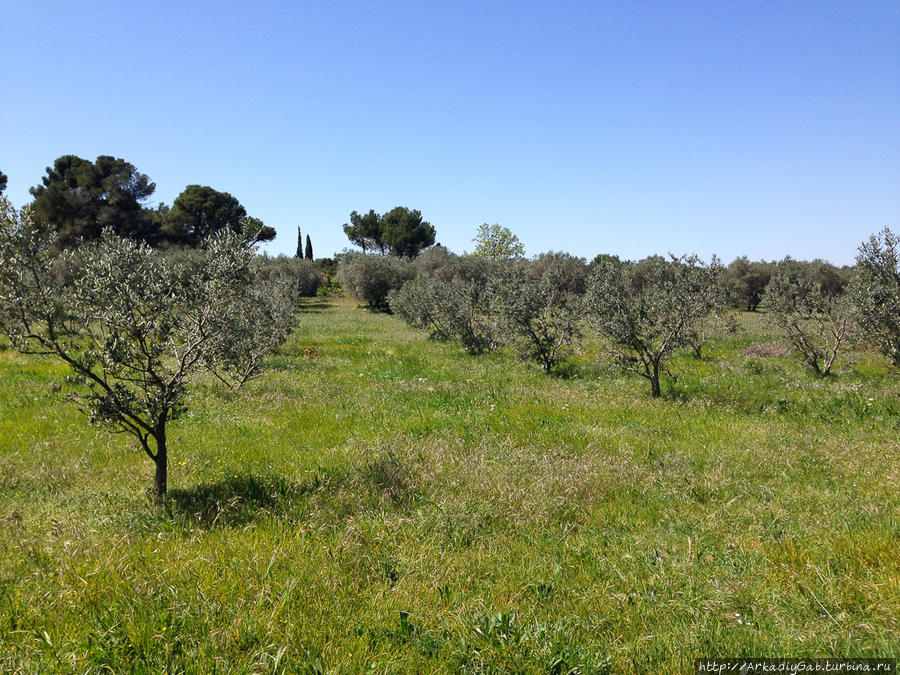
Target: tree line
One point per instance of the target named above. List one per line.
(643, 311)
(78, 199)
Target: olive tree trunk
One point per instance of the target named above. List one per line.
(162, 462)
(654, 381)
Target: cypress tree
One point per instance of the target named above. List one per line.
(299, 253)
(309, 255)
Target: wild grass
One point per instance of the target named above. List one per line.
(381, 502)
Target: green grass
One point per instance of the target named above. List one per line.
(396, 505)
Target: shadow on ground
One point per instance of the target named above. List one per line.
(237, 500)
(383, 482)
(576, 370)
(315, 306)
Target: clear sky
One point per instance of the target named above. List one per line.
(627, 127)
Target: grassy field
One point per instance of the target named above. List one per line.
(386, 503)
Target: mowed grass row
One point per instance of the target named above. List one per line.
(381, 502)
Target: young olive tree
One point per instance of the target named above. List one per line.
(371, 277)
(134, 325)
(539, 306)
(721, 320)
(302, 274)
(718, 321)
(646, 311)
(875, 291)
(815, 322)
(453, 302)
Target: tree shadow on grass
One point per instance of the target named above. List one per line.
(390, 478)
(386, 481)
(238, 500)
(576, 370)
(315, 306)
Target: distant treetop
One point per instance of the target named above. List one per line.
(200, 211)
(78, 198)
(400, 232)
(496, 242)
(365, 231)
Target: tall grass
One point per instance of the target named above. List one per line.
(382, 502)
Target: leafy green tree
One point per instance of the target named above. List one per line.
(404, 231)
(875, 292)
(327, 266)
(400, 232)
(309, 249)
(78, 199)
(570, 273)
(436, 261)
(3, 180)
(254, 231)
(816, 322)
(200, 211)
(832, 280)
(299, 253)
(747, 281)
(601, 258)
(366, 231)
(496, 242)
(647, 310)
(135, 324)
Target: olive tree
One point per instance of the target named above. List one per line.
(718, 321)
(746, 281)
(372, 277)
(453, 301)
(135, 325)
(875, 292)
(647, 310)
(815, 321)
(301, 273)
(539, 305)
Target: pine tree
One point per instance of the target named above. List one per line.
(309, 255)
(299, 253)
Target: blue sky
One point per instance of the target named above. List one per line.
(757, 128)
